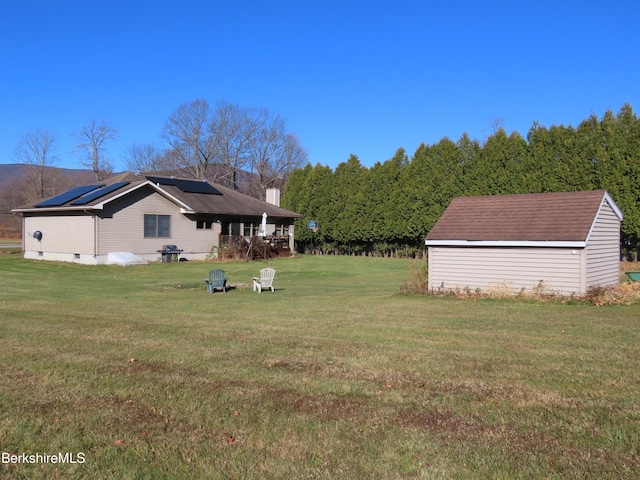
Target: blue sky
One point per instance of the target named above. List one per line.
(357, 77)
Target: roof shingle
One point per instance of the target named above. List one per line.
(563, 216)
(226, 202)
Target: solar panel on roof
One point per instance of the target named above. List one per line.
(187, 186)
(68, 196)
(162, 180)
(91, 196)
(192, 186)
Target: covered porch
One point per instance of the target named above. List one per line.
(255, 247)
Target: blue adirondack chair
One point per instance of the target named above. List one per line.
(216, 281)
(634, 276)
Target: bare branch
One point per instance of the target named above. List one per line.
(35, 150)
(92, 147)
(147, 158)
(186, 134)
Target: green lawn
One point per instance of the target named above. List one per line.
(337, 374)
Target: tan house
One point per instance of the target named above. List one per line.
(133, 218)
(564, 242)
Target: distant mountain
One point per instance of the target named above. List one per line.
(62, 179)
(10, 173)
(12, 181)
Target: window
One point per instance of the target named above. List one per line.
(231, 228)
(282, 230)
(157, 226)
(204, 224)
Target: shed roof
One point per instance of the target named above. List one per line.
(561, 219)
(198, 197)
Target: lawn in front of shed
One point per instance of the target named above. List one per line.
(335, 375)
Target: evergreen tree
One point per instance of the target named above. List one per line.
(387, 203)
(397, 202)
(348, 204)
(501, 166)
(307, 192)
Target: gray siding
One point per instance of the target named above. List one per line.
(122, 227)
(603, 250)
(71, 233)
(493, 268)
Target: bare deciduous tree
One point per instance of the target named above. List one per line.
(191, 149)
(292, 156)
(36, 150)
(232, 130)
(274, 153)
(147, 158)
(92, 147)
(255, 141)
(229, 141)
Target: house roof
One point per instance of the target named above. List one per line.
(192, 196)
(539, 219)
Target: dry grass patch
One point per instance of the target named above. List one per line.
(335, 375)
(626, 293)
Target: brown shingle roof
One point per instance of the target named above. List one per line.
(546, 217)
(229, 203)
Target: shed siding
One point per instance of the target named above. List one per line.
(61, 234)
(492, 268)
(122, 227)
(603, 250)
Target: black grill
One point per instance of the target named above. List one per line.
(170, 253)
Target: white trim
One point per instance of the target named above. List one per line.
(526, 243)
(504, 243)
(605, 198)
(100, 206)
(612, 204)
(155, 186)
(52, 209)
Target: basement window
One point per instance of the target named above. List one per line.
(76, 256)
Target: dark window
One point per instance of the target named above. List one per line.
(157, 226)
(202, 224)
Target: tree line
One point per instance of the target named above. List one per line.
(390, 207)
(228, 144)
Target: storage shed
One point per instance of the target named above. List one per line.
(565, 242)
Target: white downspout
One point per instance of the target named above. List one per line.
(95, 236)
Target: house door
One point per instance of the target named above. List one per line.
(231, 228)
